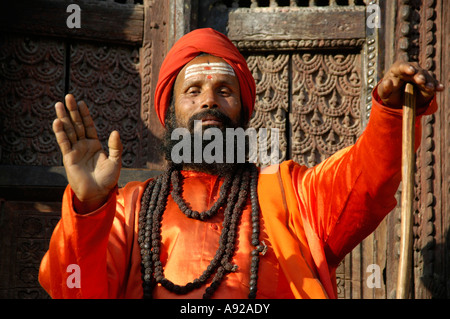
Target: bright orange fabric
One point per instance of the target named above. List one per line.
(190, 46)
(311, 218)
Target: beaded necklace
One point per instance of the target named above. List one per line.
(234, 192)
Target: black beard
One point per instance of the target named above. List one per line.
(221, 169)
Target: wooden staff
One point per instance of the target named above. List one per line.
(407, 200)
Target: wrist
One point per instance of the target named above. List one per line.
(87, 206)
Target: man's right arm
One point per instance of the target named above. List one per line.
(75, 266)
(102, 245)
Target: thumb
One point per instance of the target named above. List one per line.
(115, 147)
(385, 88)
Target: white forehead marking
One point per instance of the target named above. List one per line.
(208, 69)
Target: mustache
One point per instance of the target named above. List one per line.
(227, 122)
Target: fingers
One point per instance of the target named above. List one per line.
(115, 147)
(61, 137)
(402, 72)
(88, 122)
(75, 116)
(75, 120)
(391, 88)
(66, 122)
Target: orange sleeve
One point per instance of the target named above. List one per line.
(98, 243)
(344, 198)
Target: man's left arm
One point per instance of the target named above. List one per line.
(354, 190)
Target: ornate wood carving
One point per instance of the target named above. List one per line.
(319, 94)
(321, 97)
(155, 44)
(254, 18)
(31, 80)
(107, 78)
(326, 106)
(35, 72)
(429, 259)
(311, 121)
(272, 89)
(33, 77)
(25, 236)
(419, 34)
(283, 45)
(371, 67)
(318, 26)
(443, 47)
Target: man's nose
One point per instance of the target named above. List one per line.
(209, 99)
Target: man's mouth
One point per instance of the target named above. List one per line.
(211, 120)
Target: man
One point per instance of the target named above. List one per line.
(202, 231)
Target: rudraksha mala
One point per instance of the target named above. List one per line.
(234, 192)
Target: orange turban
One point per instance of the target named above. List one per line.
(190, 46)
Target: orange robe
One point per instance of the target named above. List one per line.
(310, 219)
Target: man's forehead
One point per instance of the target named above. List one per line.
(208, 69)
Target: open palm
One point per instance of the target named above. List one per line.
(91, 172)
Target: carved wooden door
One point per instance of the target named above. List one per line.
(314, 61)
(422, 35)
(107, 62)
(315, 64)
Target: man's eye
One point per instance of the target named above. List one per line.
(224, 91)
(193, 90)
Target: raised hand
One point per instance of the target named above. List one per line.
(391, 88)
(91, 172)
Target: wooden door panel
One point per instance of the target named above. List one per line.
(112, 63)
(106, 77)
(326, 104)
(271, 73)
(31, 80)
(315, 65)
(313, 79)
(25, 230)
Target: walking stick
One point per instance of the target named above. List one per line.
(408, 160)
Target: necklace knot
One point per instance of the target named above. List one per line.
(262, 248)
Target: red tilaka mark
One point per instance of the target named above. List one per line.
(209, 77)
(207, 68)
